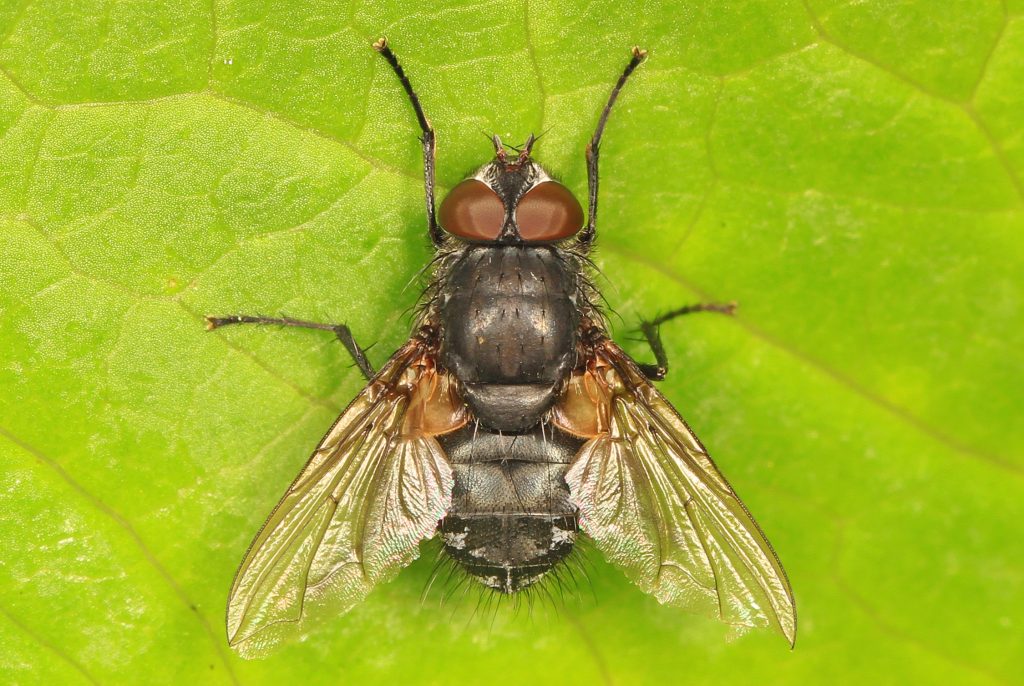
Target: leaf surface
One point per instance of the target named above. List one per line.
(849, 172)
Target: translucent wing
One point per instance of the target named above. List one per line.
(657, 506)
(374, 488)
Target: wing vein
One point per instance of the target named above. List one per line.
(673, 507)
(364, 499)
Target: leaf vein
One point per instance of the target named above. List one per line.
(901, 414)
(135, 537)
(531, 51)
(965, 106)
(49, 645)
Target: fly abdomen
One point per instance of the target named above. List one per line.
(508, 552)
(511, 520)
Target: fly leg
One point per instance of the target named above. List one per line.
(343, 333)
(428, 140)
(586, 236)
(652, 332)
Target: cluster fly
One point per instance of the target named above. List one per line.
(510, 424)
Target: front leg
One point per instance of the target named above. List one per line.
(343, 333)
(652, 332)
(586, 236)
(427, 139)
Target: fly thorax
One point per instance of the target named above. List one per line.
(509, 330)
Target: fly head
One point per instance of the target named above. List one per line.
(511, 200)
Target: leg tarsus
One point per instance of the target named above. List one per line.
(341, 332)
(652, 332)
(722, 308)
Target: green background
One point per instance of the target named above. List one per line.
(849, 172)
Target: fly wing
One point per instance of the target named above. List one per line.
(657, 506)
(373, 489)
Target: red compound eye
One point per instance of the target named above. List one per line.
(548, 212)
(473, 211)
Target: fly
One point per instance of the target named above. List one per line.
(510, 424)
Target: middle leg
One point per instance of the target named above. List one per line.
(342, 332)
(652, 332)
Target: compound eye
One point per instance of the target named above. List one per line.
(548, 212)
(473, 211)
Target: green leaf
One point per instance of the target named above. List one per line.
(849, 172)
